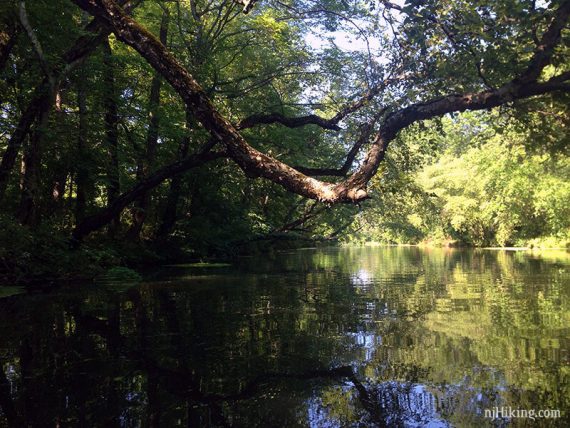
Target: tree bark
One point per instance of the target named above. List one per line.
(169, 215)
(257, 164)
(146, 163)
(253, 162)
(111, 133)
(28, 211)
(81, 171)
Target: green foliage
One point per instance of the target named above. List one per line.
(458, 178)
(10, 291)
(485, 188)
(45, 254)
(118, 279)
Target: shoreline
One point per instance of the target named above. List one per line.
(463, 246)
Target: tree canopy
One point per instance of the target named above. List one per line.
(152, 119)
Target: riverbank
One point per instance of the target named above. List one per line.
(537, 245)
(45, 257)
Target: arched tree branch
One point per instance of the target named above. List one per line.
(257, 164)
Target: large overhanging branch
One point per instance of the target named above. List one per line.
(253, 162)
(257, 164)
(289, 122)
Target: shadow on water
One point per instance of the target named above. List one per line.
(323, 337)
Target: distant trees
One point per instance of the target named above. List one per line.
(480, 185)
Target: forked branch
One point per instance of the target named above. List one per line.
(257, 164)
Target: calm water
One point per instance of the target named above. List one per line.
(324, 338)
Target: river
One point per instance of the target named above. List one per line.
(329, 337)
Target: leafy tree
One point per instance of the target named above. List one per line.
(106, 126)
(486, 187)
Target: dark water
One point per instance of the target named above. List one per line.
(324, 338)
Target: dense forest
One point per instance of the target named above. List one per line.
(148, 131)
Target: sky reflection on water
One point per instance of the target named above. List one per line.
(322, 337)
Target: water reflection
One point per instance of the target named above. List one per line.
(335, 337)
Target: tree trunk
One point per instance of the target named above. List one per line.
(61, 168)
(169, 215)
(37, 107)
(8, 37)
(111, 133)
(257, 164)
(147, 160)
(73, 57)
(82, 174)
(28, 212)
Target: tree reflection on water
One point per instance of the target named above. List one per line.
(329, 337)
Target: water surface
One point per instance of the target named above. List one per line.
(391, 336)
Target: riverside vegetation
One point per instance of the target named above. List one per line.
(137, 132)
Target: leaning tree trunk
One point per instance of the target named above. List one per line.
(257, 164)
(106, 215)
(353, 189)
(147, 159)
(111, 133)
